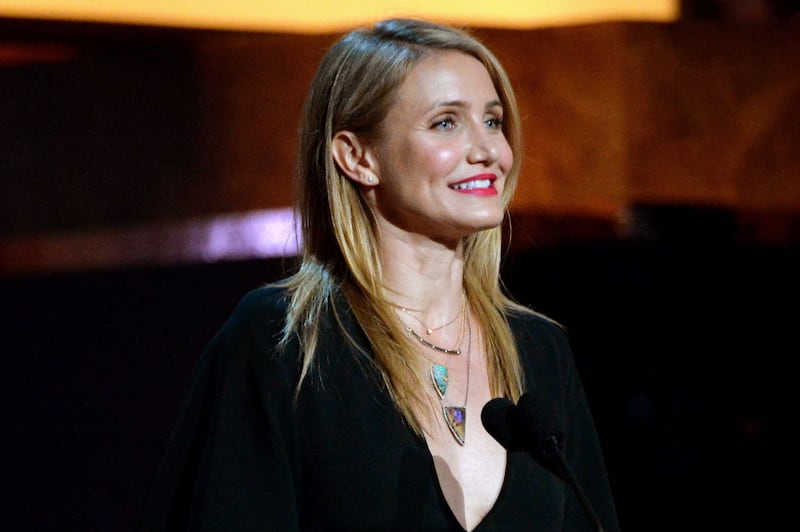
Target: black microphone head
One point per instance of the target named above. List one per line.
(495, 419)
(536, 417)
(532, 425)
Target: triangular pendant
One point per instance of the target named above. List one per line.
(456, 419)
(439, 376)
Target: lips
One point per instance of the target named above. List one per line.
(481, 183)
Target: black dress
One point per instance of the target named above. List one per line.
(245, 456)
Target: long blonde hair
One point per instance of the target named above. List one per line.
(353, 90)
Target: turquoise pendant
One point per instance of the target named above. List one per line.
(456, 419)
(439, 375)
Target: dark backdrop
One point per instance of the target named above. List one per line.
(687, 351)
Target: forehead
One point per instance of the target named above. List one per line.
(445, 75)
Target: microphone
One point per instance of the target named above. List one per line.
(527, 427)
(531, 426)
(495, 418)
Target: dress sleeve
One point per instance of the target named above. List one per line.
(550, 369)
(585, 457)
(230, 463)
(583, 451)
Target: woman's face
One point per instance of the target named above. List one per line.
(442, 157)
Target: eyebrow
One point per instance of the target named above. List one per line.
(462, 103)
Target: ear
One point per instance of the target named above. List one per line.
(355, 158)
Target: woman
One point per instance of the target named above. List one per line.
(348, 397)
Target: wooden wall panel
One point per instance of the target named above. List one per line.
(568, 85)
(139, 126)
(252, 94)
(713, 115)
(615, 114)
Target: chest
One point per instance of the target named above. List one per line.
(470, 475)
(362, 468)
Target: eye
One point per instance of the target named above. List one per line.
(494, 122)
(444, 123)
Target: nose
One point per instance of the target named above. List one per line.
(484, 146)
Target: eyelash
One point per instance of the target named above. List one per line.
(449, 120)
(496, 122)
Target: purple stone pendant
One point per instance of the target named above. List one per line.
(456, 419)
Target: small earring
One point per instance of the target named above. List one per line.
(370, 179)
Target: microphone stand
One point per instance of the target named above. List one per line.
(551, 448)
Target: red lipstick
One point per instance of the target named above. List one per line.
(476, 185)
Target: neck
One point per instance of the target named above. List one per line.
(423, 275)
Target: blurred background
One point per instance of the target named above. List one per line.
(146, 163)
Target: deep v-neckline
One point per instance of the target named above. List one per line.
(441, 491)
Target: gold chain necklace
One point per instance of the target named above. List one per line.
(447, 351)
(430, 330)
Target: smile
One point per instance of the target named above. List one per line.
(481, 185)
(472, 185)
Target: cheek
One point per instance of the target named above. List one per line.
(444, 159)
(506, 158)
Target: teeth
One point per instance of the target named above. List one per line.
(472, 185)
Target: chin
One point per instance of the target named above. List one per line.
(486, 224)
(491, 220)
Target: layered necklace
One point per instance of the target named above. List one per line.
(430, 330)
(455, 416)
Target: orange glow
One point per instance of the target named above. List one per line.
(320, 15)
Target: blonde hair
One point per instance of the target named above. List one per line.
(353, 90)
